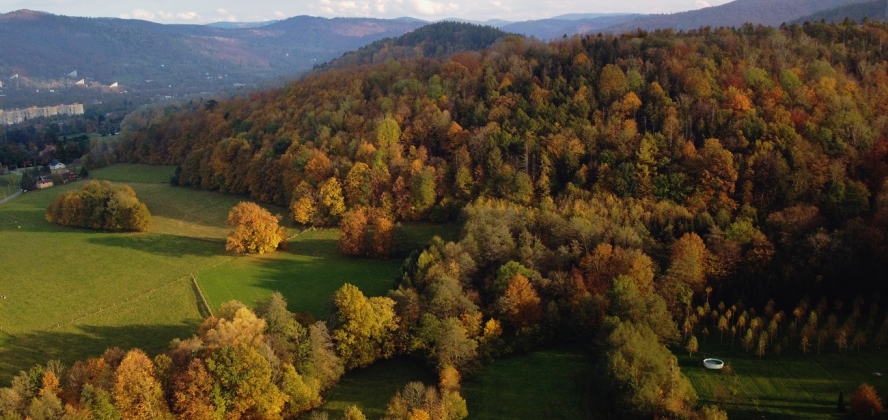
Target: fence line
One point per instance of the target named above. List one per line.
(206, 311)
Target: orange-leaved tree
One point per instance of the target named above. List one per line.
(256, 231)
(865, 403)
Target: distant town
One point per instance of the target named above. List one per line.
(15, 116)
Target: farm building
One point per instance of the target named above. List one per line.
(44, 182)
(55, 164)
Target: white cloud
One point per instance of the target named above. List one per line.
(188, 16)
(141, 14)
(221, 11)
(429, 7)
(279, 14)
(702, 3)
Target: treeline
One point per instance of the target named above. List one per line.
(37, 142)
(271, 366)
(100, 205)
(768, 141)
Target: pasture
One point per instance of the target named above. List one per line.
(71, 293)
(793, 386)
(546, 384)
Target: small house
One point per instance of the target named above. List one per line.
(67, 175)
(44, 182)
(55, 165)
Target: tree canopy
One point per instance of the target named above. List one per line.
(100, 205)
(256, 231)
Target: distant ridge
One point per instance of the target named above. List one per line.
(40, 45)
(735, 13)
(873, 10)
(548, 29)
(241, 25)
(582, 16)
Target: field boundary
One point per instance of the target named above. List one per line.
(204, 307)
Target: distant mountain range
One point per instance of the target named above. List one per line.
(42, 48)
(138, 53)
(242, 25)
(873, 10)
(735, 13)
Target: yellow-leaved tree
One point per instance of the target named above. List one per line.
(256, 231)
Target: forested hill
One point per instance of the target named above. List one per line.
(735, 13)
(873, 10)
(436, 40)
(767, 143)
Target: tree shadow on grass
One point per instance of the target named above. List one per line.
(23, 351)
(164, 245)
(770, 409)
(308, 281)
(371, 388)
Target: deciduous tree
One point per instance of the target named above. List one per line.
(256, 231)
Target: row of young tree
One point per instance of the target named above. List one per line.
(100, 205)
(806, 329)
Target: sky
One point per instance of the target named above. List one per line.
(207, 11)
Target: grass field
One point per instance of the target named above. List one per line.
(133, 173)
(71, 293)
(793, 386)
(307, 275)
(541, 385)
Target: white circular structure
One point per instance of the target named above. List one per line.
(714, 364)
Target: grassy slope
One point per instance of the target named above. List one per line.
(311, 271)
(307, 275)
(70, 293)
(793, 386)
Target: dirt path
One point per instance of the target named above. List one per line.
(18, 193)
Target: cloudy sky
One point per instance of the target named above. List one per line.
(206, 11)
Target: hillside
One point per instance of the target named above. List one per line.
(873, 10)
(734, 14)
(525, 122)
(437, 40)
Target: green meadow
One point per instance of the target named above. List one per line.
(71, 293)
(546, 384)
(791, 386)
